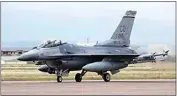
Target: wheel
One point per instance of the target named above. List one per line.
(78, 77)
(106, 77)
(59, 78)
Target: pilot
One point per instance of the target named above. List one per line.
(53, 44)
(47, 43)
(60, 42)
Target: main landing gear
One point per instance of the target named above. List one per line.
(106, 77)
(78, 76)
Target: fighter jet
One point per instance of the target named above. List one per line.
(56, 57)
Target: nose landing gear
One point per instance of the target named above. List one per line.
(59, 78)
(59, 75)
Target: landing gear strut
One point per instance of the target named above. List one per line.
(78, 76)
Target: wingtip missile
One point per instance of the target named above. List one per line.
(165, 52)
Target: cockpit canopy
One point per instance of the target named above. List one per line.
(50, 43)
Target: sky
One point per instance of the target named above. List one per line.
(77, 21)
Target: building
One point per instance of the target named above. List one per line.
(13, 51)
(9, 55)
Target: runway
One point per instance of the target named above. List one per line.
(87, 87)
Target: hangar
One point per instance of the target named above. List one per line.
(13, 51)
(9, 55)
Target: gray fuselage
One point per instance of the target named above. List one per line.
(63, 56)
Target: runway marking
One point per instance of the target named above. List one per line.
(87, 87)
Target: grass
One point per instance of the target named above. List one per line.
(135, 71)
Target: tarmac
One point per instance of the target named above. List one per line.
(89, 87)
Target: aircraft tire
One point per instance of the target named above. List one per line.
(59, 78)
(78, 77)
(106, 77)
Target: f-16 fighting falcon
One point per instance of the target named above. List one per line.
(56, 57)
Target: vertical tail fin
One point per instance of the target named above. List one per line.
(123, 31)
(121, 36)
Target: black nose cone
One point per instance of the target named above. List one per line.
(29, 56)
